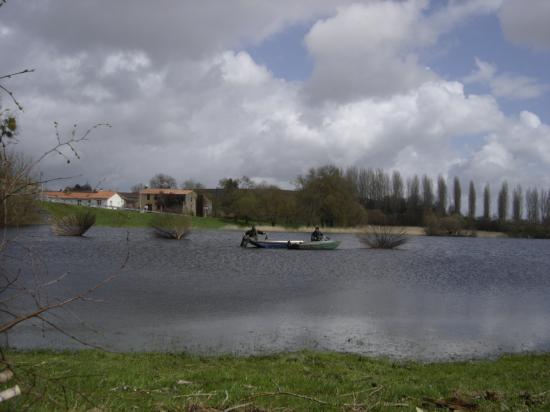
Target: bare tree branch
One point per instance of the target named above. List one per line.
(9, 76)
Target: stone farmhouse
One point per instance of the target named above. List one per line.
(184, 201)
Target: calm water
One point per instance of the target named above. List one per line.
(439, 298)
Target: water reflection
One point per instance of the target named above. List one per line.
(437, 299)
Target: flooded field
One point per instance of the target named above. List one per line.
(438, 298)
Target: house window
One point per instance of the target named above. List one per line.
(98, 202)
(79, 202)
(148, 197)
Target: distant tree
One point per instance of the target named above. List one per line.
(472, 201)
(228, 184)
(326, 197)
(352, 176)
(162, 181)
(503, 202)
(427, 192)
(274, 204)
(487, 202)
(137, 188)
(381, 188)
(532, 205)
(457, 196)
(517, 202)
(545, 207)
(362, 186)
(191, 184)
(397, 198)
(246, 183)
(441, 206)
(79, 188)
(376, 186)
(228, 197)
(414, 203)
(245, 206)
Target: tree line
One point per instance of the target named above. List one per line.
(331, 196)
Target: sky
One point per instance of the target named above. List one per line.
(210, 89)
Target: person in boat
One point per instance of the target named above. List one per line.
(251, 234)
(317, 236)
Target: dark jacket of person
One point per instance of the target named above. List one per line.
(316, 236)
(253, 232)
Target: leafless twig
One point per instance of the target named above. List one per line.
(9, 76)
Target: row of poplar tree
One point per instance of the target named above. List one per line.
(332, 196)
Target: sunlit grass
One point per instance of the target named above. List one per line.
(302, 381)
(124, 218)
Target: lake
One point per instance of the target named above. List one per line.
(436, 299)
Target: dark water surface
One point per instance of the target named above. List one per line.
(439, 298)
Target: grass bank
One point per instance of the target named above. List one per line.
(303, 381)
(124, 218)
(128, 218)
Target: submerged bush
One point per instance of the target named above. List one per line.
(383, 237)
(75, 224)
(171, 226)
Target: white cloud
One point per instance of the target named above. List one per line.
(455, 12)
(530, 119)
(518, 151)
(198, 108)
(124, 61)
(364, 50)
(506, 85)
(240, 69)
(177, 29)
(371, 48)
(526, 22)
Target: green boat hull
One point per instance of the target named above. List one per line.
(319, 245)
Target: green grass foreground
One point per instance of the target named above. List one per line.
(302, 381)
(124, 218)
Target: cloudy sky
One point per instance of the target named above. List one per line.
(224, 88)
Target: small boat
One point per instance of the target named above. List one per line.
(327, 244)
(275, 244)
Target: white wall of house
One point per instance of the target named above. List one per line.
(115, 202)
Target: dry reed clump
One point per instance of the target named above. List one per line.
(171, 226)
(448, 226)
(383, 237)
(74, 224)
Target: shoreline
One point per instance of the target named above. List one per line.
(409, 230)
(135, 218)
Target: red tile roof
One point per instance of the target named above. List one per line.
(80, 195)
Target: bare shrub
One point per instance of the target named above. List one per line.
(17, 191)
(383, 237)
(75, 224)
(171, 226)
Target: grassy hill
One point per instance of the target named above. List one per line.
(124, 218)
